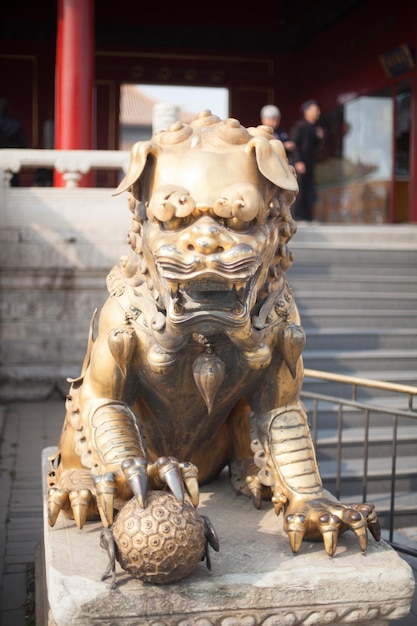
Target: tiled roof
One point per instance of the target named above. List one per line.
(136, 107)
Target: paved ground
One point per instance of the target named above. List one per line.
(25, 429)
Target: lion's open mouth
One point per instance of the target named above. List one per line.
(218, 285)
(208, 294)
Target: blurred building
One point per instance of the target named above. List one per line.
(69, 62)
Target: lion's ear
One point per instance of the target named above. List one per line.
(273, 163)
(138, 156)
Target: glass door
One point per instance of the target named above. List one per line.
(354, 179)
(402, 160)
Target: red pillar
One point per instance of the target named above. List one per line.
(74, 79)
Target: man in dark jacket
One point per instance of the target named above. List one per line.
(306, 135)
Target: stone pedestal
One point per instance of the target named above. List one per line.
(255, 578)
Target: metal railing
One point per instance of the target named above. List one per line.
(373, 415)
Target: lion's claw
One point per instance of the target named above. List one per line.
(328, 519)
(77, 503)
(354, 520)
(73, 494)
(190, 478)
(135, 472)
(368, 511)
(255, 488)
(296, 529)
(80, 504)
(329, 526)
(58, 500)
(166, 471)
(169, 472)
(106, 490)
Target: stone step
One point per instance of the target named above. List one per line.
(349, 318)
(371, 284)
(323, 249)
(405, 377)
(361, 339)
(379, 400)
(406, 432)
(370, 236)
(355, 262)
(380, 442)
(358, 300)
(378, 477)
(352, 361)
(379, 268)
(355, 418)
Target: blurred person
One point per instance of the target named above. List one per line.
(307, 136)
(271, 116)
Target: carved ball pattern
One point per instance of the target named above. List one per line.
(162, 543)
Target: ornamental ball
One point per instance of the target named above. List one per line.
(162, 543)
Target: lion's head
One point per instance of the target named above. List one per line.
(211, 203)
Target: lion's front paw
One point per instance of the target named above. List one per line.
(72, 492)
(326, 519)
(84, 496)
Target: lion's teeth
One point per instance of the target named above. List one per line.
(238, 308)
(178, 307)
(174, 292)
(240, 292)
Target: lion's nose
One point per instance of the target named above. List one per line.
(207, 238)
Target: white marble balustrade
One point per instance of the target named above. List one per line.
(72, 164)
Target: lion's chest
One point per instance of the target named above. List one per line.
(186, 403)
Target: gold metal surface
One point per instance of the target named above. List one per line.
(197, 363)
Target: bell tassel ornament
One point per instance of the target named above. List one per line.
(209, 371)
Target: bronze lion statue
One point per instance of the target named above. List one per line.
(197, 363)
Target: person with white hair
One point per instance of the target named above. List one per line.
(271, 116)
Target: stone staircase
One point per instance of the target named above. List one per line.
(358, 299)
(356, 289)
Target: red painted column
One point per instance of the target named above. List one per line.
(74, 80)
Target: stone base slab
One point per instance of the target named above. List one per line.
(255, 578)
